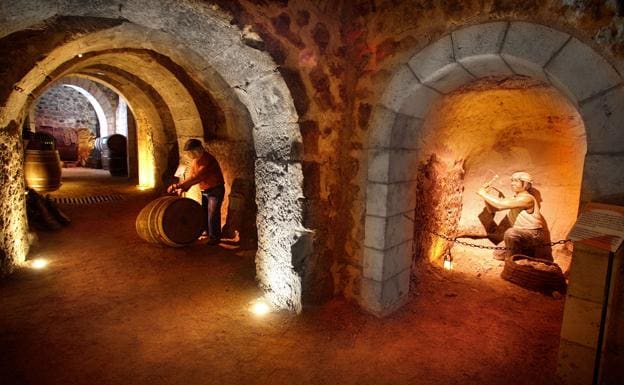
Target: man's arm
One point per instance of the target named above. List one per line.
(521, 201)
(196, 177)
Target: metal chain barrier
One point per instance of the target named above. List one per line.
(470, 244)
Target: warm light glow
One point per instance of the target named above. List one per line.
(260, 308)
(39, 263)
(143, 188)
(146, 159)
(79, 55)
(448, 262)
(437, 249)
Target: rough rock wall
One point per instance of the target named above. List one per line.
(305, 40)
(438, 207)
(64, 107)
(13, 223)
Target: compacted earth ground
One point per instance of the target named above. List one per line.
(112, 309)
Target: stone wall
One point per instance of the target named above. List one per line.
(13, 223)
(65, 107)
(305, 40)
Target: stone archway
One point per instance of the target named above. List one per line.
(201, 40)
(498, 48)
(98, 100)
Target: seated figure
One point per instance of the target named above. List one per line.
(524, 227)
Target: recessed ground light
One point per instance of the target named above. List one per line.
(259, 307)
(79, 55)
(100, 73)
(448, 262)
(143, 188)
(39, 263)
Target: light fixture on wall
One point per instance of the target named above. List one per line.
(79, 55)
(448, 262)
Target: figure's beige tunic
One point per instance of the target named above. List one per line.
(522, 219)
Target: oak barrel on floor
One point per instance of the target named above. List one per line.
(170, 221)
(42, 170)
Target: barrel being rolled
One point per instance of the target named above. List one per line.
(170, 221)
(42, 170)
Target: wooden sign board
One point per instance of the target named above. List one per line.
(600, 225)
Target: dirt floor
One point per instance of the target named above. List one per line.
(111, 309)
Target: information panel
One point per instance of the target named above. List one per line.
(600, 225)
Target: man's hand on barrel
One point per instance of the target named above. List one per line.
(173, 188)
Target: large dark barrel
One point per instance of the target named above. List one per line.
(42, 170)
(116, 143)
(170, 221)
(113, 154)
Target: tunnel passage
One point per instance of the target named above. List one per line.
(177, 88)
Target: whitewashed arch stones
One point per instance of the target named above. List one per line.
(498, 48)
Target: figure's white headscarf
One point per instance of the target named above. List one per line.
(523, 176)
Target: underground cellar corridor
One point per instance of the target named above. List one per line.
(358, 146)
(112, 307)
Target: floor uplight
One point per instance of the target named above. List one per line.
(39, 263)
(260, 308)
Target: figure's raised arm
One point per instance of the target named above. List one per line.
(519, 201)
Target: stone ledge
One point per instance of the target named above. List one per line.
(520, 42)
(582, 70)
(431, 58)
(603, 117)
(480, 39)
(403, 82)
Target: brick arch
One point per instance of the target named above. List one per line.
(467, 54)
(205, 44)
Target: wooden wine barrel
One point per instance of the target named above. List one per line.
(42, 170)
(117, 165)
(116, 144)
(113, 154)
(170, 221)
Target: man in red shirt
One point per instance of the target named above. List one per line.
(206, 172)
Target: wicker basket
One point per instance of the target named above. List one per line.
(534, 274)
